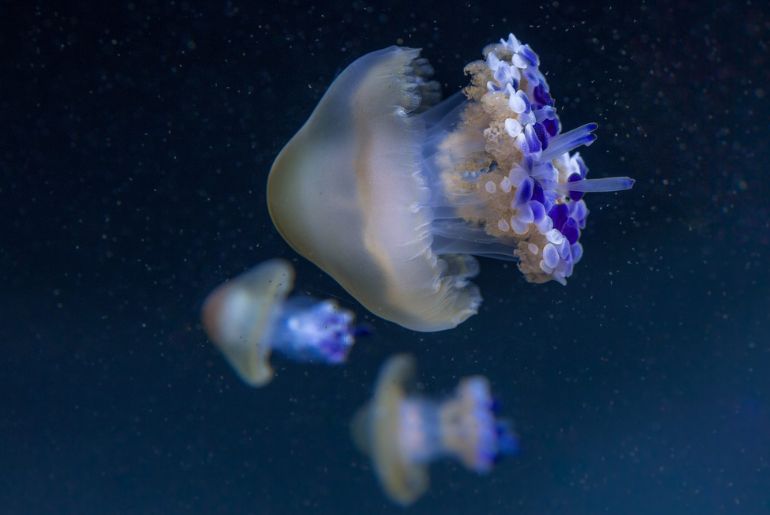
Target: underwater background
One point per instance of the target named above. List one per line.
(135, 144)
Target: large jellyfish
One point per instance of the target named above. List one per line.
(392, 193)
(403, 432)
(249, 317)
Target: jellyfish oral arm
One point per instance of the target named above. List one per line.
(604, 185)
(470, 429)
(310, 330)
(463, 426)
(419, 439)
(507, 169)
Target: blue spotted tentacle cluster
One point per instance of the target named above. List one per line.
(549, 182)
(494, 438)
(311, 330)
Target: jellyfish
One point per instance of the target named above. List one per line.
(249, 317)
(392, 191)
(403, 432)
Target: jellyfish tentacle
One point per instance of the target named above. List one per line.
(604, 185)
(570, 140)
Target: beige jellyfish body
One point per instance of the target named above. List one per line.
(346, 193)
(377, 432)
(239, 315)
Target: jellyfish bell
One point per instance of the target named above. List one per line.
(392, 193)
(402, 432)
(344, 193)
(249, 317)
(239, 314)
(376, 432)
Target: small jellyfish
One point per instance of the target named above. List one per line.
(392, 192)
(403, 432)
(250, 316)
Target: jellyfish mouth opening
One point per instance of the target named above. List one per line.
(504, 180)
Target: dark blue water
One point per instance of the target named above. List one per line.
(135, 142)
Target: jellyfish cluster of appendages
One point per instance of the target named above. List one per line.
(545, 182)
(494, 437)
(312, 330)
(465, 426)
